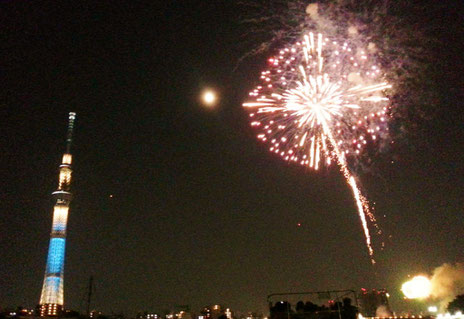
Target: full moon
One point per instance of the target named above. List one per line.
(209, 97)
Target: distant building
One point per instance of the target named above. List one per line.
(253, 315)
(216, 312)
(94, 314)
(18, 313)
(211, 312)
(147, 315)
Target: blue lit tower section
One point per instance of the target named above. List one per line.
(51, 299)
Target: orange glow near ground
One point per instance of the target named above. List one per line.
(417, 287)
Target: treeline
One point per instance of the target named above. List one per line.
(309, 310)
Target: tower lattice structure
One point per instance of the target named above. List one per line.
(52, 298)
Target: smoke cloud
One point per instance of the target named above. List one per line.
(312, 9)
(383, 312)
(447, 282)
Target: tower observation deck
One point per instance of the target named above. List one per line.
(51, 299)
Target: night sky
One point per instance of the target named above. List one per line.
(200, 212)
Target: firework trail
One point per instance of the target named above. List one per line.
(321, 101)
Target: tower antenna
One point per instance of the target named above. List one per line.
(69, 135)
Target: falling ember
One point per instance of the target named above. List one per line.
(326, 103)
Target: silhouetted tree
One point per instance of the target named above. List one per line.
(457, 304)
(310, 307)
(281, 310)
(349, 311)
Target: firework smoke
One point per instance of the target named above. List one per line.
(447, 282)
(383, 312)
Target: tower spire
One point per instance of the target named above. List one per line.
(69, 135)
(51, 299)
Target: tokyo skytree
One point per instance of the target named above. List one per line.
(51, 299)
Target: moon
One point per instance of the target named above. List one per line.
(209, 98)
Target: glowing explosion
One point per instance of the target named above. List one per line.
(418, 287)
(321, 101)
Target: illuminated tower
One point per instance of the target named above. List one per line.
(51, 299)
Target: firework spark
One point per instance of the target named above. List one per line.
(319, 102)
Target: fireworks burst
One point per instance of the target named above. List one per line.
(321, 101)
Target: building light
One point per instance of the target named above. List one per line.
(64, 178)
(67, 159)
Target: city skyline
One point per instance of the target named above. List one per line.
(177, 203)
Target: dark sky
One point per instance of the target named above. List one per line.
(201, 213)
